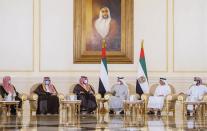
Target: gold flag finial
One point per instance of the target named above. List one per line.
(142, 43)
(103, 43)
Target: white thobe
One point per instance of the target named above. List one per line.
(121, 93)
(47, 88)
(157, 101)
(195, 94)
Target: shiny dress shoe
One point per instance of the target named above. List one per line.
(158, 113)
(111, 112)
(122, 112)
(150, 112)
(188, 113)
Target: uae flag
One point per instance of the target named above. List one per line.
(103, 78)
(142, 85)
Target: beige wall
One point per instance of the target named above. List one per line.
(36, 40)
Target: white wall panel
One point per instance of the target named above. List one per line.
(151, 25)
(190, 31)
(16, 35)
(56, 35)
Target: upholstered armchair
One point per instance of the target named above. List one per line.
(22, 96)
(131, 91)
(33, 98)
(170, 100)
(97, 95)
(131, 94)
(182, 98)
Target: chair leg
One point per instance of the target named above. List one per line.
(145, 106)
(30, 112)
(167, 108)
(183, 107)
(174, 112)
(21, 112)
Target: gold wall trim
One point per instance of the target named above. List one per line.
(167, 44)
(40, 27)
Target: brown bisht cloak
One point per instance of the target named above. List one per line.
(88, 100)
(47, 103)
(4, 94)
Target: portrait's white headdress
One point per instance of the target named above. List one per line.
(102, 25)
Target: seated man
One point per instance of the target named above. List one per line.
(48, 101)
(156, 102)
(195, 93)
(86, 94)
(119, 93)
(9, 93)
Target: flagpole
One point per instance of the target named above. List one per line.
(103, 80)
(142, 85)
(103, 55)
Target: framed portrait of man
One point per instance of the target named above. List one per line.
(98, 20)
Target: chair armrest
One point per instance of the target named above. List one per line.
(145, 96)
(205, 97)
(137, 96)
(33, 97)
(98, 96)
(61, 96)
(182, 97)
(107, 95)
(171, 97)
(23, 96)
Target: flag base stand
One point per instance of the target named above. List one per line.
(103, 110)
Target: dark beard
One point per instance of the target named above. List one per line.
(105, 17)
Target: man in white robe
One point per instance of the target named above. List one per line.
(156, 102)
(195, 93)
(119, 93)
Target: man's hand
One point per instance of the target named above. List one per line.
(114, 93)
(81, 92)
(54, 94)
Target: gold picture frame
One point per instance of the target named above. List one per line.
(123, 52)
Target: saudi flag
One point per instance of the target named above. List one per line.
(103, 79)
(142, 85)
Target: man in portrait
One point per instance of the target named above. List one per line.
(107, 28)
